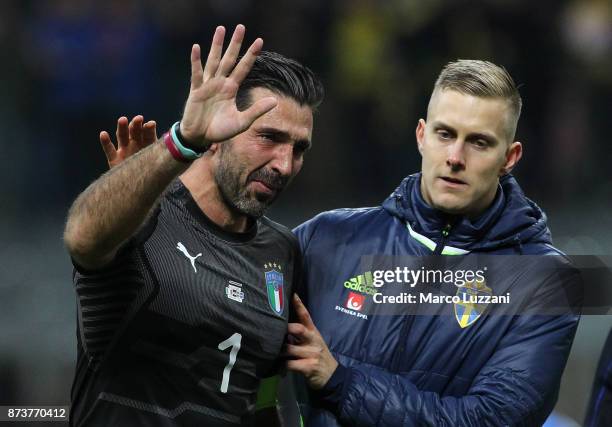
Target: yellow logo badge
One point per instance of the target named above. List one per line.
(474, 299)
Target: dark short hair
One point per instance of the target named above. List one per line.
(283, 76)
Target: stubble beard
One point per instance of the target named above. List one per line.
(235, 194)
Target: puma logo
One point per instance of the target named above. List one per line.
(192, 259)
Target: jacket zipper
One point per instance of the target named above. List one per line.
(442, 242)
(399, 353)
(402, 343)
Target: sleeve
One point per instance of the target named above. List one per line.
(517, 386)
(103, 300)
(105, 295)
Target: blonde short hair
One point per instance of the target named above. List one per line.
(482, 79)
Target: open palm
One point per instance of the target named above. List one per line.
(210, 112)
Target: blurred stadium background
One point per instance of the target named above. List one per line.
(71, 67)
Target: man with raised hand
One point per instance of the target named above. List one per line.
(449, 364)
(182, 283)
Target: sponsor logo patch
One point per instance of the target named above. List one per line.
(234, 291)
(355, 301)
(361, 283)
(192, 259)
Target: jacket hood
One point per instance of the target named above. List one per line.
(512, 219)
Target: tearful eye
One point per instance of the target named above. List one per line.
(444, 134)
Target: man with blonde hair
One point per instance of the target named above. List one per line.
(492, 351)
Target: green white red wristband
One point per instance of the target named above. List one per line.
(186, 149)
(177, 147)
(173, 150)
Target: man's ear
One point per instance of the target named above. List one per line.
(513, 155)
(420, 134)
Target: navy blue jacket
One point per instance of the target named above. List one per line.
(413, 369)
(599, 411)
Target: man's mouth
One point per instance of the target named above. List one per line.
(266, 187)
(267, 182)
(453, 181)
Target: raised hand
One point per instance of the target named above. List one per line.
(210, 112)
(131, 138)
(310, 355)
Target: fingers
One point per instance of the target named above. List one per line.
(297, 330)
(301, 334)
(214, 55)
(122, 133)
(303, 366)
(196, 67)
(257, 110)
(107, 146)
(231, 54)
(223, 65)
(135, 129)
(302, 313)
(149, 133)
(247, 61)
(303, 351)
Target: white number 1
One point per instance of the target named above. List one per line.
(234, 343)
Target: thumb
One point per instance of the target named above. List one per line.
(258, 109)
(302, 313)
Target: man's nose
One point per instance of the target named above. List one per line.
(282, 162)
(456, 157)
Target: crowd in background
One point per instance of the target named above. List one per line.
(70, 68)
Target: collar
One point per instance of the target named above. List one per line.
(204, 223)
(430, 221)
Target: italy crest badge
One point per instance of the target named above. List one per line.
(274, 285)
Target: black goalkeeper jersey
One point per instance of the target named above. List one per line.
(184, 323)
